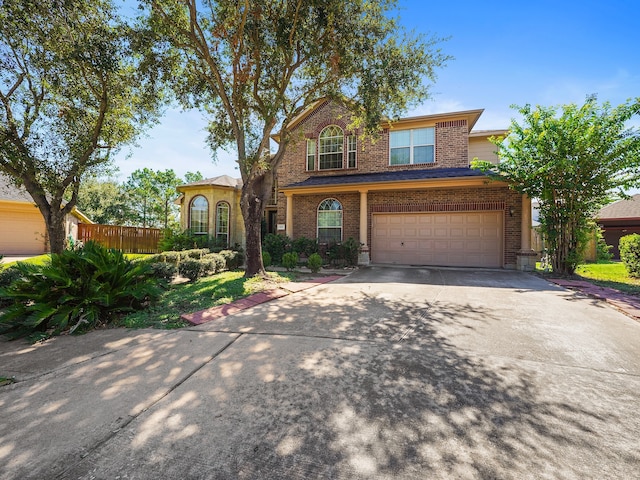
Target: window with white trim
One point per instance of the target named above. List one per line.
(409, 147)
(329, 221)
(331, 145)
(311, 154)
(199, 215)
(352, 147)
(222, 223)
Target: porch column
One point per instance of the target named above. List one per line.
(363, 256)
(526, 256)
(289, 220)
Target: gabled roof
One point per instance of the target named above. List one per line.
(8, 191)
(471, 116)
(621, 209)
(385, 177)
(221, 181)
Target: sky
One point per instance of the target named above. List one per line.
(505, 53)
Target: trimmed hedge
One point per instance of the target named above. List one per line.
(630, 254)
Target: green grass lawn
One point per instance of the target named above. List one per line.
(609, 274)
(206, 292)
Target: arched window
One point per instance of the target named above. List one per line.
(199, 215)
(330, 148)
(329, 221)
(222, 223)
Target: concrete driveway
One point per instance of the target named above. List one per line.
(388, 373)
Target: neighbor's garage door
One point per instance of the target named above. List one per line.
(21, 230)
(460, 239)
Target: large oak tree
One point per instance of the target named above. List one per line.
(69, 97)
(254, 65)
(572, 160)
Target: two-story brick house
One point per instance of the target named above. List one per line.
(409, 198)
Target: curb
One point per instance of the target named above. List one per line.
(213, 313)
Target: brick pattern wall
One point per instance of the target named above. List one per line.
(451, 149)
(305, 214)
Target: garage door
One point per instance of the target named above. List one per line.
(460, 239)
(21, 230)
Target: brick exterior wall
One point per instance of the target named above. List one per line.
(451, 150)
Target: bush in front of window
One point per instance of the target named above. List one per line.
(314, 263)
(290, 260)
(277, 246)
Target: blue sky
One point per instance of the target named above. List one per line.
(537, 52)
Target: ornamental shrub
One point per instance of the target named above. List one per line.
(276, 245)
(77, 290)
(266, 259)
(233, 258)
(191, 269)
(314, 262)
(164, 271)
(216, 264)
(630, 254)
(290, 260)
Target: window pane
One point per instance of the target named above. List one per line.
(401, 138)
(198, 215)
(423, 136)
(329, 235)
(423, 154)
(311, 154)
(222, 222)
(400, 156)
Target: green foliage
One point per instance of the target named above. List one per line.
(314, 262)
(214, 262)
(304, 246)
(571, 161)
(630, 254)
(72, 96)
(105, 202)
(345, 253)
(163, 270)
(187, 240)
(9, 275)
(232, 258)
(266, 258)
(196, 253)
(290, 260)
(171, 257)
(603, 251)
(276, 246)
(191, 269)
(79, 289)
(298, 52)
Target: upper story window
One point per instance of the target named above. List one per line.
(352, 147)
(199, 215)
(414, 146)
(222, 223)
(330, 148)
(311, 154)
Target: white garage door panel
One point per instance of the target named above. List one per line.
(472, 239)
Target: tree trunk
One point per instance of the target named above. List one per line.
(55, 229)
(252, 202)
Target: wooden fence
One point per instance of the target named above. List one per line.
(126, 239)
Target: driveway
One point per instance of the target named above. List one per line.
(387, 373)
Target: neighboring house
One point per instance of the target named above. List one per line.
(409, 198)
(22, 228)
(212, 207)
(619, 219)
